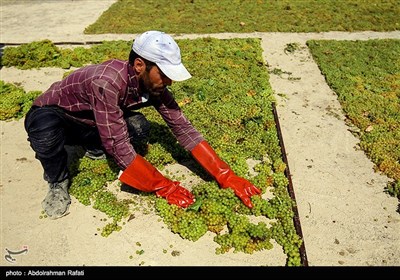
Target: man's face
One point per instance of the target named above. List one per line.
(154, 81)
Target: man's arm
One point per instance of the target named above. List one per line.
(223, 174)
(186, 134)
(193, 141)
(110, 122)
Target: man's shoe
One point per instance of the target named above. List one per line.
(95, 154)
(57, 201)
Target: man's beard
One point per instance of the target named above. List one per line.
(150, 91)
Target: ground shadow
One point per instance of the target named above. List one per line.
(159, 133)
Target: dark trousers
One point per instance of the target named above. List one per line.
(49, 130)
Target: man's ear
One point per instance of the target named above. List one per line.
(139, 65)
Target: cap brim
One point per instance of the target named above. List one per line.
(176, 72)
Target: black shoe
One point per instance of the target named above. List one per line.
(95, 154)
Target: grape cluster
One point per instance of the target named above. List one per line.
(108, 203)
(110, 228)
(186, 223)
(280, 180)
(283, 229)
(279, 166)
(85, 185)
(244, 236)
(89, 176)
(285, 235)
(219, 210)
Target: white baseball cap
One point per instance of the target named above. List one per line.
(160, 48)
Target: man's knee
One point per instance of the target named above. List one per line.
(45, 130)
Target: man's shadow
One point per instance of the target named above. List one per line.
(159, 133)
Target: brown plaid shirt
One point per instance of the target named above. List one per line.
(98, 95)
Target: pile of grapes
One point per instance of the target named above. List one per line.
(216, 210)
(220, 211)
(235, 97)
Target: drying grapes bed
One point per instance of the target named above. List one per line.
(247, 139)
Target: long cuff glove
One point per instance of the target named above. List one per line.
(226, 178)
(141, 175)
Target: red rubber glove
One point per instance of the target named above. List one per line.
(141, 175)
(222, 173)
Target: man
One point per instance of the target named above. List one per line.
(95, 107)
